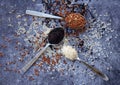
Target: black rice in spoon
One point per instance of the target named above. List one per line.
(56, 35)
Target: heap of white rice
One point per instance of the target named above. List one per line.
(69, 52)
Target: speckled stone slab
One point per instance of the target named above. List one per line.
(21, 36)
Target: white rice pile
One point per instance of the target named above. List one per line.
(69, 52)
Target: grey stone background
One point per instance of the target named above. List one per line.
(9, 25)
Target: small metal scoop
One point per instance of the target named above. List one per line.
(55, 36)
(73, 55)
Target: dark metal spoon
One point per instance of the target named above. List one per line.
(55, 36)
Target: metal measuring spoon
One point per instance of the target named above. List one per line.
(55, 36)
(72, 20)
(72, 54)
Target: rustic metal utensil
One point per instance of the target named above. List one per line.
(55, 36)
(72, 54)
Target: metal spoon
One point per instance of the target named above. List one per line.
(95, 70)
(72, 54)
(54, 37)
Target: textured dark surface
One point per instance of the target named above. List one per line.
(8, 40)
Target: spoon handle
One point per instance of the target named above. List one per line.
(95, 70)
(31, 62)
(41, 14)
